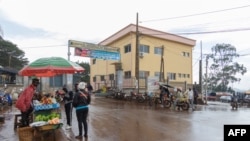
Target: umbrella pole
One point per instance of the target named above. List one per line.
(41, 84)
(53, 83)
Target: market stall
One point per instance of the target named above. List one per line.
(46, 117)
(47, 111)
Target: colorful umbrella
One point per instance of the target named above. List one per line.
(47, 67)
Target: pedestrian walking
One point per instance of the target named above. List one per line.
(67, 99)
(178, 96)
(81, 101)
(90, 88)
(195, 97)
(24, 102)
(191, 98)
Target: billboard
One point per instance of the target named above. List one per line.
(97, 54)
(95, 51)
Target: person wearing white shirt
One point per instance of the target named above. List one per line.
(191, 98)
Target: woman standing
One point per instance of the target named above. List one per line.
(67, 99)
(81, 101)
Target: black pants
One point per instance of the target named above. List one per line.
(81, 115)
(26, 117)
(68, 112)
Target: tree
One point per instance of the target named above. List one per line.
(11, 55)
(85, 76)
(223, 69)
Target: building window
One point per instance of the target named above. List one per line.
(158, 50)
(111, 77)
(188, 75)
(127, 48)
(158, 74)
(184, 75)
(171, 76)
(179, 74)
(144, 48)
(94, 61)
(94, 79)
(185, 54)
(143, 74)
(127, 74)
(102, 78)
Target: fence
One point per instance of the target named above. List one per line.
(130, 83)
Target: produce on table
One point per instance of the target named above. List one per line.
(54, 121)
(46, 100)
(43, 117)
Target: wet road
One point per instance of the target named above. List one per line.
(115, 120)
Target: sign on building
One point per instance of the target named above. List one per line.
(94, 51)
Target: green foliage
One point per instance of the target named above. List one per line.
(85, 76)
(11, 55)
(223, 69)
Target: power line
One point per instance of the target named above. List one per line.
(218, 31)
(205, 32)
(244, 54)
(34, 47)
(204, 13)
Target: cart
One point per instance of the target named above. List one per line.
(42, 115)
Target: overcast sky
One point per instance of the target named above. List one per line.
(42, 28)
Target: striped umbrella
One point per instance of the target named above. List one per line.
(51, 66)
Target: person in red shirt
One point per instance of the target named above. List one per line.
(24, 101)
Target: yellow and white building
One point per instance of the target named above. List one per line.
(177, 57)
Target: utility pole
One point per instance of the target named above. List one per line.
(69, 50)
(137, 59)
(206, 77)
(162, 77)
(200, 75)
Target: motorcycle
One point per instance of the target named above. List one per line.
(5, 98)
(131, 96)
(155, 99)
(180, 104)
(140, 98)
(119, 95)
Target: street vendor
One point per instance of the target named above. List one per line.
(24, 102)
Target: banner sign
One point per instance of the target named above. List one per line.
(82, 52)
(91, 46)
(95, 51)
(152, 85)
(98, 54)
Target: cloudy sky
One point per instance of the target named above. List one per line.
(42, 28)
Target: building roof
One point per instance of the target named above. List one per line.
(7, 70)
(149, 32)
